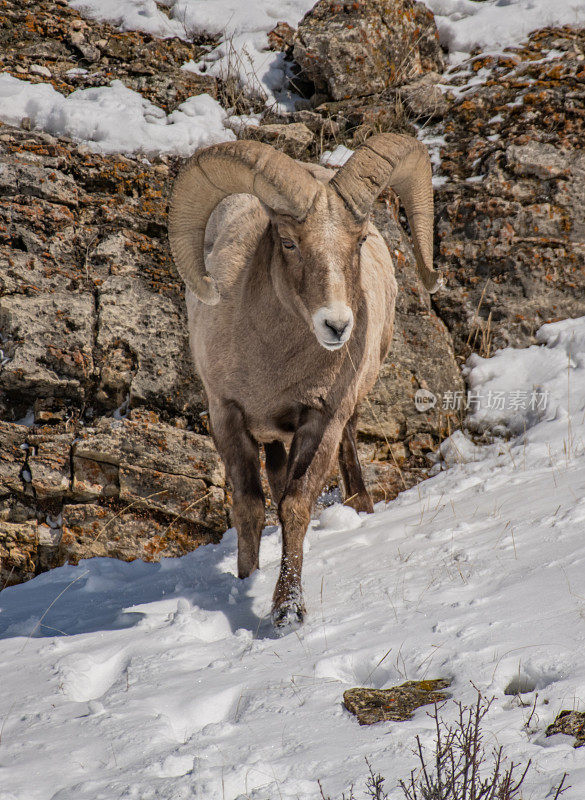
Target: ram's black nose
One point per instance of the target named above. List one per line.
(337, 328)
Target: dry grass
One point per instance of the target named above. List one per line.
(460, 767)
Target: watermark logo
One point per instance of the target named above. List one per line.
(473, 400)
(424, 400)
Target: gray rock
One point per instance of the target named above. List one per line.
(356, 49)
(12, 457)
(537, 159)
(143, 346)
(423, 98)
(293, 138)
(48, 339)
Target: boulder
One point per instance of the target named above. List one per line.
(352, 49)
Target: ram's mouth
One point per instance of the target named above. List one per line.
(331, 345)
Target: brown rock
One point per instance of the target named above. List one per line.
(395, 704)
(356, 49)
(120, 532)
(18, 546)
(293, 139)
(571, 723)
(281, 37)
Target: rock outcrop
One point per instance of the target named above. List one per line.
(104, 448)
(511, 208)
(351, 49)
(46, 41)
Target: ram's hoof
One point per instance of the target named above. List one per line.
(288, 616)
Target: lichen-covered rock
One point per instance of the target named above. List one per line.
(511, 209)
(91, 530)
(570, 723)
(44, 40)
(18, 548)
(395, 704)
(281, 37)
(352, 49)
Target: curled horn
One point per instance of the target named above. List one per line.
(402, 163)
(214, 173)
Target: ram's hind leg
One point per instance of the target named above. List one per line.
(351, 472)
(239, 452)
(312, 452)
(276, 459)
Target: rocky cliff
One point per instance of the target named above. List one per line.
(103, 443)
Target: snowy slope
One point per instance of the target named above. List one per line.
(165, 680)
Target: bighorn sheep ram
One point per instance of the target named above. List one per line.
(290, 301)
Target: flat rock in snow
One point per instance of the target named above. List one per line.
(395, 704)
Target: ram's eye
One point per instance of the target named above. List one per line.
(362, 240)
(288, 244)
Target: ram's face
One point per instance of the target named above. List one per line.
(321, 257)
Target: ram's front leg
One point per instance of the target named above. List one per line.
(239, 452)
(312, 452)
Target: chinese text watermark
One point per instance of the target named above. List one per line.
(474, 400)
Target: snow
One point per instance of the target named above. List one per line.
(241, 27)
(133, 15)
(114, 119)
(167, 681)
(465, 25)
(337, 157)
